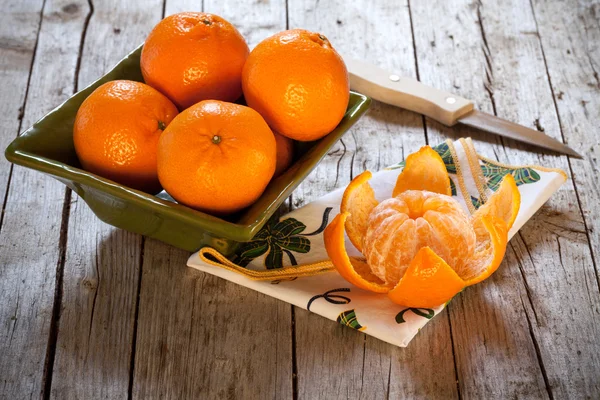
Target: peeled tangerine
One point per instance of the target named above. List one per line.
(420, 247)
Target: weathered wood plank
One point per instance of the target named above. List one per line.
(570, 37)
(17, 45)
(560, 338)
(522, 342)
(334, 361)
(101, 273)
(31, 240)
(176, 6)
(200, 336)
(452, 55)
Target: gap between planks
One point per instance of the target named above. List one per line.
(62, 244)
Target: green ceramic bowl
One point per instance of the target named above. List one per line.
(48, 147)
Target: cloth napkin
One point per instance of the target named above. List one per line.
(297, 239)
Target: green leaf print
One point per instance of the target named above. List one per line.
(444, 151)
(277, 238)
(274, 258)
(255, 249)
(525, 175)
(288, 227)
(452, 187)
(476, 202)
(348, 318)
(494, 174)
(298, 244)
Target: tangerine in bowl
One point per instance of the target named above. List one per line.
(48, 146)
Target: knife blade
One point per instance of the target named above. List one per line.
(442, 106)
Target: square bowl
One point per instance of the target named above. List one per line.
(48, 147)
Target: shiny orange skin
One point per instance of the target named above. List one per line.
(194, 56)
(285, 153)
(116, 132)
(298, 83)
(216, 157)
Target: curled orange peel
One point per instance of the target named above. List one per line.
(504, 203)
(358, 200)
(349, 268)
(429, 280)
(424, 170)
(490, 252)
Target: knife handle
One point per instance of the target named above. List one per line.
(406, 93)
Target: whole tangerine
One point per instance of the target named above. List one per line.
(298, 82)
(116, 132)
(194, 56)
(216, 157)
(285, 153)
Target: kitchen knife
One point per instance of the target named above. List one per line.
(442, 106)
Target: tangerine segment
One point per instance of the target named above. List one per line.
(428, 282)
(492, 238)
(354, 270)
(358, 200)
(504, 203)
(424, 170)
(399, 227)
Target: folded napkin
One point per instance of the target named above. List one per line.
(297, 239)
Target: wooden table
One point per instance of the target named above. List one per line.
(89, 311)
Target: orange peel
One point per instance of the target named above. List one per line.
(504, 203)
(424, 170)
(352, 269)
(489, 252)
(427, 273)
(358, 200)
(420, 247)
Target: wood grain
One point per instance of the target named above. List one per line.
(334, 361)
(17, 46)
(202, 337)
(101, 273)
(570, 37)
(69, 283)
(525, 96)
(453, 55)
(33, 229)
(198, 335)
(517, 341)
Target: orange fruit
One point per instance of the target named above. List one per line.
(298, 83)
(216, 157)
(354, 270)
(399, 227)
(285, 153)
(424, 170)
(194, 56)
(420, 247)
(117, 129)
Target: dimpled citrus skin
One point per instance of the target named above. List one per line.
(285, 153)
(194, 56)
(298, 83)
(116, 132)
(399, 227)
(216, 157)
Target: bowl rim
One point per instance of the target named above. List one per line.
(240, 231)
